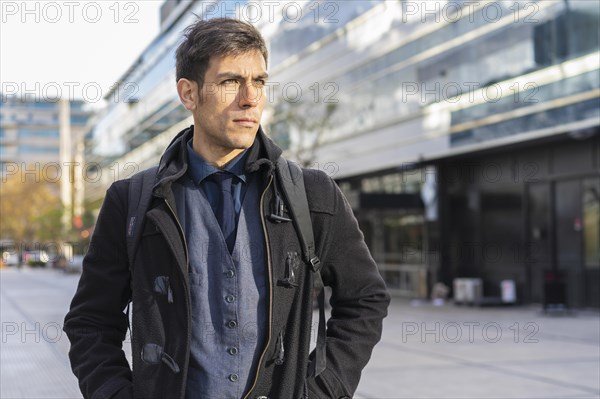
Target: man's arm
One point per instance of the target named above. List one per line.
(96, 324)
(359, 301)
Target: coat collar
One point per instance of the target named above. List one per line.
(174, 162)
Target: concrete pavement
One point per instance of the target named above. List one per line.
(425, 352)
(466, 352)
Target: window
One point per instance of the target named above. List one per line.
(28, 133)
(37, 150)
(572, 33)
(79, 119)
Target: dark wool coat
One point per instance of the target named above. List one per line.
(97, 324)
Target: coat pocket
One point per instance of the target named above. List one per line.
(325, 386)
(154, 354)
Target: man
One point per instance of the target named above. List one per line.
(221, 299)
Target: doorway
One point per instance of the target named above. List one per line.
(563, 239)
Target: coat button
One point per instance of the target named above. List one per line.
(232, 324)
(230, 273)
(230, 298)
(233, 351)
(233, 377)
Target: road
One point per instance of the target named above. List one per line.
(425, 352)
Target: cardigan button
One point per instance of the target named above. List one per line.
(233, 377)
(230, 298)
(232, 351)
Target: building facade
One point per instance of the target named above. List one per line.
(464, 134)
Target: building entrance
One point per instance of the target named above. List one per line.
(563, 247)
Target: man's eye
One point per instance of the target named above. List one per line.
(229, 81)
(260, 83)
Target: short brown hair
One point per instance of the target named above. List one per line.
(218, 36)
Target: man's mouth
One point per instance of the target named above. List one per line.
(248, 122)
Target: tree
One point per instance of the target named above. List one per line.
(30, 209)
(300, 126)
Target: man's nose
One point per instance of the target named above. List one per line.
(250, 95)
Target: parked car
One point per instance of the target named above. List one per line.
(10, 259)
(35, 258)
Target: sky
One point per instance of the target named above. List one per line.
(75, 49)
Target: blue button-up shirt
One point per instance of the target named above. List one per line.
(199, 170)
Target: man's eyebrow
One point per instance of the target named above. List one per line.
(232, 75)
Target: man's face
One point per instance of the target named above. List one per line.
(231, 102)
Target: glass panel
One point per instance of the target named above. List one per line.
(318, 20)
(394, 183)
(591, 222)
(30, 149)
(404, 239)
(32, 133)
(589, 109)
(568, 224)
(536, 94)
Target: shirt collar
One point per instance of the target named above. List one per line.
(199, 169)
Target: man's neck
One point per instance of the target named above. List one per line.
(214, 155)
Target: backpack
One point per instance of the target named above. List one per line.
(291, 181)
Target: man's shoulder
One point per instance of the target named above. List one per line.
(119, 187)
(321, 191)
(123, 184)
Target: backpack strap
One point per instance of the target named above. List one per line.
(138, 201)
(140, 195)
(292, 183)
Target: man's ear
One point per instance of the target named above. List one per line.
(188, 93)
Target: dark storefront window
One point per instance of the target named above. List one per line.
(393, 183)
(404, 239)
(401, 257)
(391, 215)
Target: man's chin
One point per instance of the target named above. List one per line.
(243, 141)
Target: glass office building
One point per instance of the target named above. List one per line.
(464, 134)
(30, 128)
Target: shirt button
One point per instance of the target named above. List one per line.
(229, 273)
(230, 298)
(233, 351)
(233, 377)
(232, 324)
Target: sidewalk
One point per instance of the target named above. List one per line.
(33, 354)
(470, 352)
(425, 352)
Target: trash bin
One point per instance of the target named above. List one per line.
(555, 289)
(467, 290)
(509, 291)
